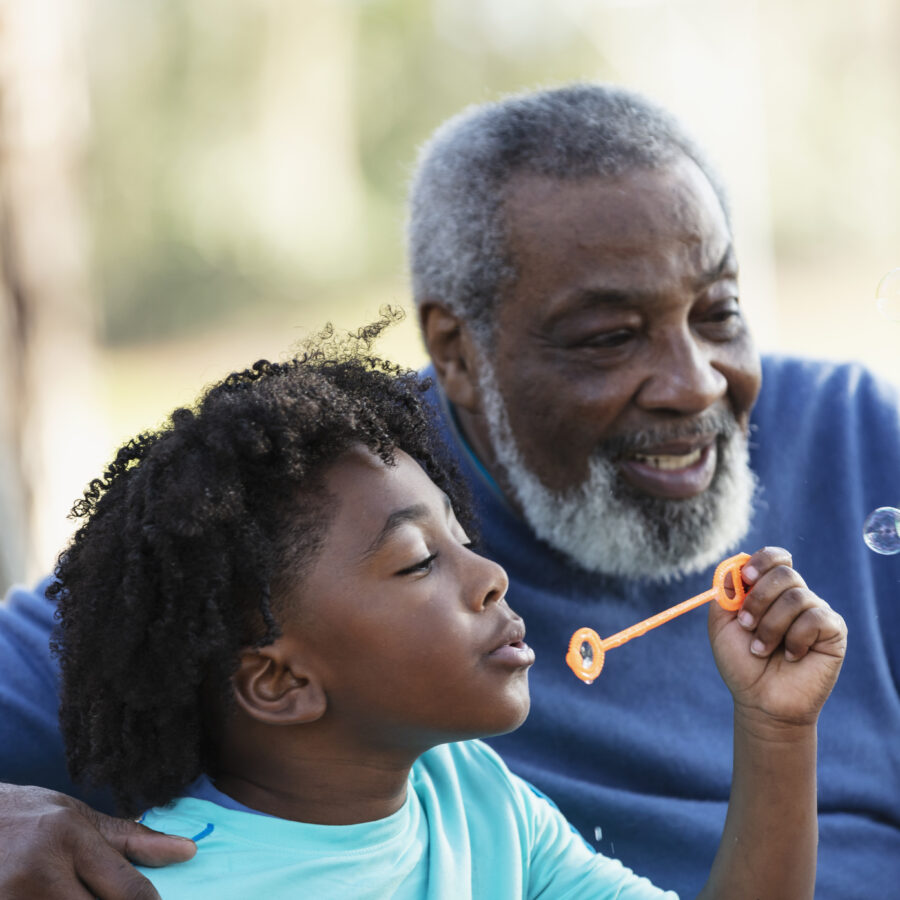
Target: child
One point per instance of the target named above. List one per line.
(275, 631)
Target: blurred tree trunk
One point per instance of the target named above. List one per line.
(15, 499)
(45, 321)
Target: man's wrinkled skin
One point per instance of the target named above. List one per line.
(53, 847)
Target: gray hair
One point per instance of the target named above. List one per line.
(456, 234)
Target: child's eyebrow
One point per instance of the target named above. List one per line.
(415, 513)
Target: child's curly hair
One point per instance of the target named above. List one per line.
(191, 534)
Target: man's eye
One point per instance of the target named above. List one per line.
(607, 340)
(723, 315)
(726, 322)
(424, 565)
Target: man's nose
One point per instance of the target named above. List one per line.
(682, 376)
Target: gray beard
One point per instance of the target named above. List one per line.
(605, 525)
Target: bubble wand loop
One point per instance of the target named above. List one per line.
(587, 651)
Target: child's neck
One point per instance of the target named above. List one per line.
(320, 785)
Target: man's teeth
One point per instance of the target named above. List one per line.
(670, 462)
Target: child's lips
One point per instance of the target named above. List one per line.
(517, 655)
(512, 649)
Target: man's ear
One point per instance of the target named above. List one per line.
(453, 353)
(274, 686)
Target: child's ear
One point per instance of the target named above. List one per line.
(273, 685)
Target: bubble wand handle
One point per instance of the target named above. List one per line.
(587, 651)
(622, 637)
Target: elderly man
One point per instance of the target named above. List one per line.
(574, 271)
(573, 267)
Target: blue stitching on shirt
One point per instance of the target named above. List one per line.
(205, 833)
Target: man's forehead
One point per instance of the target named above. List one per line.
(638, 211)
(645, 233)
(529, 195)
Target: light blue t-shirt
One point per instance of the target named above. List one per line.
(469, 829)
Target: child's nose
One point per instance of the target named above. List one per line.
(490, 586)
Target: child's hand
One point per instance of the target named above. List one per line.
(781, 654)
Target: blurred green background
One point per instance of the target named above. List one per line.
(226, 176)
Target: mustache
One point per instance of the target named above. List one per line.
(722, 423)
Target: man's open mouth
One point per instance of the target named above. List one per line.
(672, 473)
(670, 462)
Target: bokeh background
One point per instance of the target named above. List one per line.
(189, 185)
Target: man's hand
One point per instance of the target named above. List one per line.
(781, 655)
(55, 848)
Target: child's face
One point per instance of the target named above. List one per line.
(409, 629)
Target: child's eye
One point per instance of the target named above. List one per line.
(423, 565)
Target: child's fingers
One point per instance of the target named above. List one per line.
(770, 584)
(790, 606)
(763, 560)
(818, 628)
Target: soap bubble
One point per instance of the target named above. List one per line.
(881, 531)
(887, 295)
(587, 655)
(591, 663)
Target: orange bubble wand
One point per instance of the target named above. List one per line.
(587, 651)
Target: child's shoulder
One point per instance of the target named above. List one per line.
(216, 833)
(241, 853)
